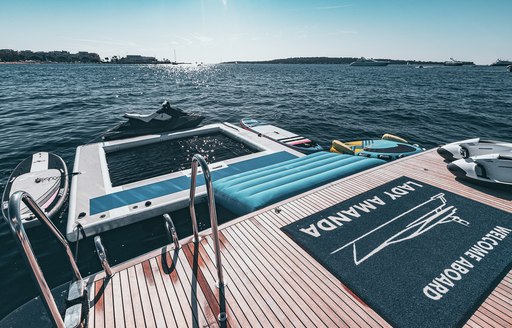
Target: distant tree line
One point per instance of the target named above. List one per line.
(8, 55)
(331, 60)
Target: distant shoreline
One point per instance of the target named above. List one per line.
(272, 62)
(337, 60)
(79, 63)
(288, 61)
(9, 56)
(17, 63)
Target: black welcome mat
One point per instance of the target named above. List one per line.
(418, 255)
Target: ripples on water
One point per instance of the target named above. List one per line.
(59, 107)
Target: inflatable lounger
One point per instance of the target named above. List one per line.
(249, 191)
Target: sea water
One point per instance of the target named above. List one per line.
(57, 107)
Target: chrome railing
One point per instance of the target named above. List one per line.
(213, 212)
(171, 231)
(15, 223)
(102, 255)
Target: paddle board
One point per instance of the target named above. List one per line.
(45, 177)
(281, 136)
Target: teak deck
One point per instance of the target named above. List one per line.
(271, 281)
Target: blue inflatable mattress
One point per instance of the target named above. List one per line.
(252, 190)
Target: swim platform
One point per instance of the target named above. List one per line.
(159, 183)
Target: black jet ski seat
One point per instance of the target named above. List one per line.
(163, 114)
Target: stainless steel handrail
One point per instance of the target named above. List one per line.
(15, 223)
(191, 205)
(211, 206)
(102, 255)
(171, 231)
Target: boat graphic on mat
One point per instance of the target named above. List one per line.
(408, 225)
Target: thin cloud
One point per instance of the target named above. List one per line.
(107, 42)
(333, 7)
(184, 40)
(340, 32)
(237, 36)
(203, 39)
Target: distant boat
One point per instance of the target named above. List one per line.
(175, 62)
(453, 62)
(509, 68)
(500, 62)
(369, 62)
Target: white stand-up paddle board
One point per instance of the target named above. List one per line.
(281, 136)
(45, 177)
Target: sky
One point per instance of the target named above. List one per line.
(212, 31)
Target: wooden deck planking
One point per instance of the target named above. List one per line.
(271, 280)
(99, 306)
(117, 298)
(145, 302)
(349, 311)
(174, 289)
(354, 305)
(206, 279)
(109, 305)
(126, 298)
(153, 295)
(282, 283)
(165, 304)
(260, 284)
(192, 313)
(90, 294)
(315, 297)
(195, 294)
(234, 299)
(255, 309)
(138, 314)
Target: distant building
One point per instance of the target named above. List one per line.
(137, 59)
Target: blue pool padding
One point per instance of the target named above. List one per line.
(170, 186)
(249, 191)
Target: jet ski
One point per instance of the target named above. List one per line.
(388, 148)
(494, 170)
(472, 147)
(165, 119)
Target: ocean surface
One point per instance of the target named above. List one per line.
(59, 107)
